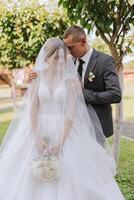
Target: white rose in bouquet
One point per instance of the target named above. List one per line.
(45, 168)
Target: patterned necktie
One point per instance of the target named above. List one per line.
(80, 67)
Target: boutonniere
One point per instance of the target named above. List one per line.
(91, 76)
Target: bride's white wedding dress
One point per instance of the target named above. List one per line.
(85, 171)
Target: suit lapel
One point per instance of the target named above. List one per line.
(91, 64)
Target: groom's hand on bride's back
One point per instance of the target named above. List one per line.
(30, 76)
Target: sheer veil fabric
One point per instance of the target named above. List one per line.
(73, 104)
(52, 99)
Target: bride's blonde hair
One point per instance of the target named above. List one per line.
(52, 45)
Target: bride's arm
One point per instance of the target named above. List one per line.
(70, 111)
(34, 104)
(39, 142)
(55, 149)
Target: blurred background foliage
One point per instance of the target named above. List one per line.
(24, 28)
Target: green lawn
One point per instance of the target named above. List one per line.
(125, 177)
(129, 108)
(5, 118)
(128, 103)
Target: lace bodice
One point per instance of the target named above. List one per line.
(51, 104)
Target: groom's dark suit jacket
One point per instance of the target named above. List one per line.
(103, 90)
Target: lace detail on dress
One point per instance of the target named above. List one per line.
(51, 104)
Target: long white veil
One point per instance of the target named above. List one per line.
(72, 104)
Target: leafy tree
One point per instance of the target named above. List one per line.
(99, 44)
(24, 29)
(113, 19)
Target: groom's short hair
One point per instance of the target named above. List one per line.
(76, 31)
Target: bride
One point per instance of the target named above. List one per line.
(53, 120)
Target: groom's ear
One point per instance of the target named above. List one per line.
(83, 41)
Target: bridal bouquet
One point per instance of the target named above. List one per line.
(45, 168)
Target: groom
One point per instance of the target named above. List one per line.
(97, 73)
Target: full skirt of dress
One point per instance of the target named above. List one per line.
(85, 172)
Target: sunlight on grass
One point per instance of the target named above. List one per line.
(6, 116)
(125, 177)
(129, 108)
(128, 102)
(3, 128)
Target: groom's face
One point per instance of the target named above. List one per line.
(76, 47)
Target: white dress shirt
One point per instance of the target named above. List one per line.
(86, 59)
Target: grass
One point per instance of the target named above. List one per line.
(3, 128)
(125, 176)
(129, 65)
(128, 103)
(5, 118)
(129, 108)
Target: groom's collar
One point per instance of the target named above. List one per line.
(87, 55)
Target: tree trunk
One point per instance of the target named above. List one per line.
(119, 114)
(119, 118)
(13, 91)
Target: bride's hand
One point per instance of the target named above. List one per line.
(41, 145)
(55, 149)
